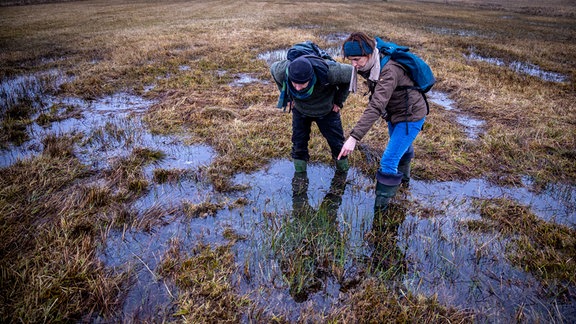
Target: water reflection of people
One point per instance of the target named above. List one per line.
(387, 258)
(331, 201)
(311, 241)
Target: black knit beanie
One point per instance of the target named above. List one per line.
(300, 70)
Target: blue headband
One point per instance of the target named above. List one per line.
(355, 48)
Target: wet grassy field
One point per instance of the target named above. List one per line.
(145, 172)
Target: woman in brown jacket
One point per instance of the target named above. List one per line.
(403, 109)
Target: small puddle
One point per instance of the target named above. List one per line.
(520, 67)
(472, 126)
(273, 56)
(454, 32)
(243, 79)
(29, 87)
(441, 99)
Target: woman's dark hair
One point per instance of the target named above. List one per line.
(360, 37)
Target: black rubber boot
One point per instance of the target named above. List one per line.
(386, 188)
(404, 165)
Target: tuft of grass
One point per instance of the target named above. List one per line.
(373, 301)
(127, 174)
(152, 218)
(167, 176)
(543, 248)
(204, 279)
(14, 122)
(203, 209)
(231, 235)
(96, 196)
(49, 268)
(55, 146)
(239, 203)
(310, 248)
(57, 112)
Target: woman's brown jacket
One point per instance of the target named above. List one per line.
(389, 102)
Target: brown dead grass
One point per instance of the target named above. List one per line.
(545, 249)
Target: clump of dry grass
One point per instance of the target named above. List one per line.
(48, 263)
(202, 209)
(374, 301)
(63, 146)
(204, 279)
(164, 175)
(127, 175)
(57, 112)
(544, 248)
(15, 119)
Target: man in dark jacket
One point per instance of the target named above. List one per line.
(316, 90)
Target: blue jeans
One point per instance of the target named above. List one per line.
(330, 126)
(401, 137)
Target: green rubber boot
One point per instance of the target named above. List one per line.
(386, 188)
(299, 165)
(342, 164)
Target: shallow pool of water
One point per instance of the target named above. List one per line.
(455, 32)
(520, 67)
(472, 126)
(243, 79)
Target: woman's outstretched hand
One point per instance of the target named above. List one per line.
(348, 147)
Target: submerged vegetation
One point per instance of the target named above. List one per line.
(68, 195)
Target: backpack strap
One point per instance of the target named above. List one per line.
(417, 89)
(413, 88)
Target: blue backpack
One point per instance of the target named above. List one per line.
(418, 70)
